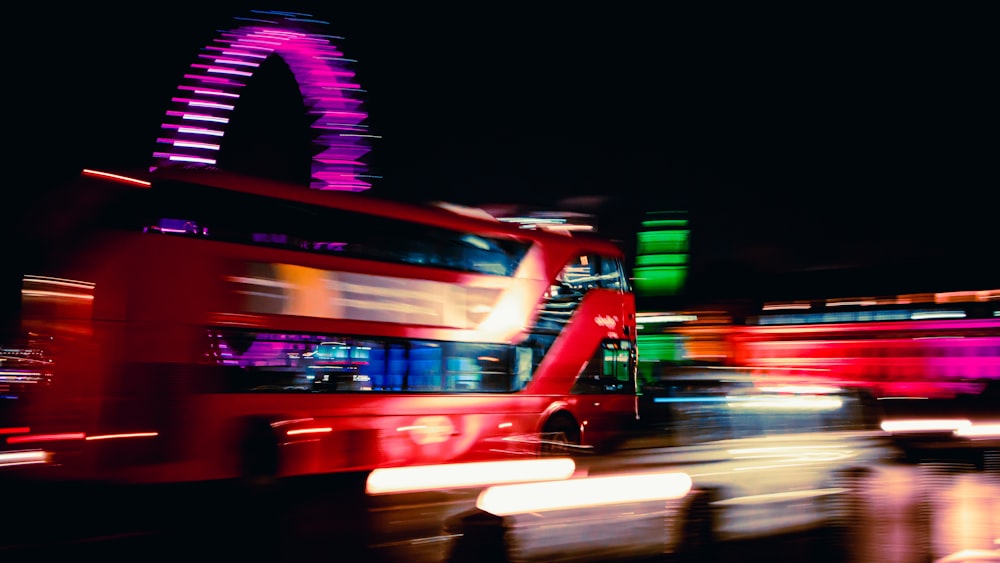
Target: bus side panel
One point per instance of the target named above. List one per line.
(322, 433)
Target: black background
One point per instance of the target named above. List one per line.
(818, 151)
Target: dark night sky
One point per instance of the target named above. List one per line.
(817, 150)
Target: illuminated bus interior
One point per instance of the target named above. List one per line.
(251, 361)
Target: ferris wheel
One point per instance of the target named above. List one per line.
(195, 125)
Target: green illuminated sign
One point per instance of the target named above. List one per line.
(661, 263)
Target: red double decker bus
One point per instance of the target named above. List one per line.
(204, 325)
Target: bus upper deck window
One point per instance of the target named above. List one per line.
(176, 226)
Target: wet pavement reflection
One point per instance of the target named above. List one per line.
(929, 512)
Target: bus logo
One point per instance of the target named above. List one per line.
(605, 321)
(431, 430)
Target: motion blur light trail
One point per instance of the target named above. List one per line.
(505, 500)
(458, 475)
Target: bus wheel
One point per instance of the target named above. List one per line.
(560, 434)
(259, 458)
(698, 541)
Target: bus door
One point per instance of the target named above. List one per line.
(606, 392)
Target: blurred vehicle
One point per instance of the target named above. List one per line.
(25, 374)
(616, 516)
(964, 428)
(205, 325)
(766, 457)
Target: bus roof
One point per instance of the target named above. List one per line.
(447, 215)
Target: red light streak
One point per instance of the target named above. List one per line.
(119, 177)
(46, 437)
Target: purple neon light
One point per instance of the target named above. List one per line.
(332, 99)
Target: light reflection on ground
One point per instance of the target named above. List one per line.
(927, 513)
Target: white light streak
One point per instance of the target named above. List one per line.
(317, 430)
(229, 71)
(783, 403)
(926, 425)
(667, 318)
(60, 281)
(196, 145)
(461, 475)
(203, 117)
(236, 62)
(200, 131)
(979, 430)
(27, 457)
(784, 306)
(210, 105)
(183, 158)
(504, 500)
(937, 315)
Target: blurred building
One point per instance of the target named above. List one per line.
(941, 344)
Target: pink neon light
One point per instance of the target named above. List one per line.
(214, 80)
(194, 130)
(257, 43)
(337, 161)
(198, 116)
(320, 70)
(335, 99)
(175, 157)
(231, 53)
(912, 325)
(202, 91)
(203, 103)
(346, 113)
(251, 47)
(223, 70)
(221, 61)
(188, 144)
